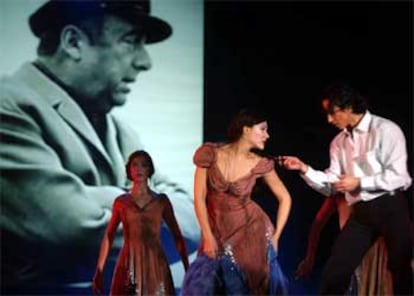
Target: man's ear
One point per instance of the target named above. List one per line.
(72, 41)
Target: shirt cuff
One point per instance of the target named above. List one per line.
(309, 173)
(367, 183)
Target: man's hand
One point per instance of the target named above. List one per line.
(292, 163)
(347, 184)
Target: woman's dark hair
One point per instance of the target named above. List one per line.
(139, 153)
(245, 117)
(343, 95)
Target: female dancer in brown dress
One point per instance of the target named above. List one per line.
(232, 225)
(142, 267)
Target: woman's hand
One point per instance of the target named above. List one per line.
(275, 243)
(97, 283)
(210, 247)
(304, 268)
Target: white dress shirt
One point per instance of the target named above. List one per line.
(374, 151)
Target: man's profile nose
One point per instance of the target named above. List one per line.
(142, 60)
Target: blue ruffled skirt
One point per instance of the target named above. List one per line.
(222, 276)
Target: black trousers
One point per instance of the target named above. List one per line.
(385, 216)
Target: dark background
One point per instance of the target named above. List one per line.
(278, 55)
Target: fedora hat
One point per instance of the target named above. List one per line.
(55, 14)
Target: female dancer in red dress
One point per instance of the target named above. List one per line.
(142, 267)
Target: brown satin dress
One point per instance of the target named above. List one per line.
(373, 276)
(142, 259)
(242, 229)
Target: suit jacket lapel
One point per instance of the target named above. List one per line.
(50, 92)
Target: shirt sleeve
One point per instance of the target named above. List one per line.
(321, 180)
(389, 163)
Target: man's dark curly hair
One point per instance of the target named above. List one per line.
(343, 95)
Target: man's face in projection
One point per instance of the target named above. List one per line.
(112, 62)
